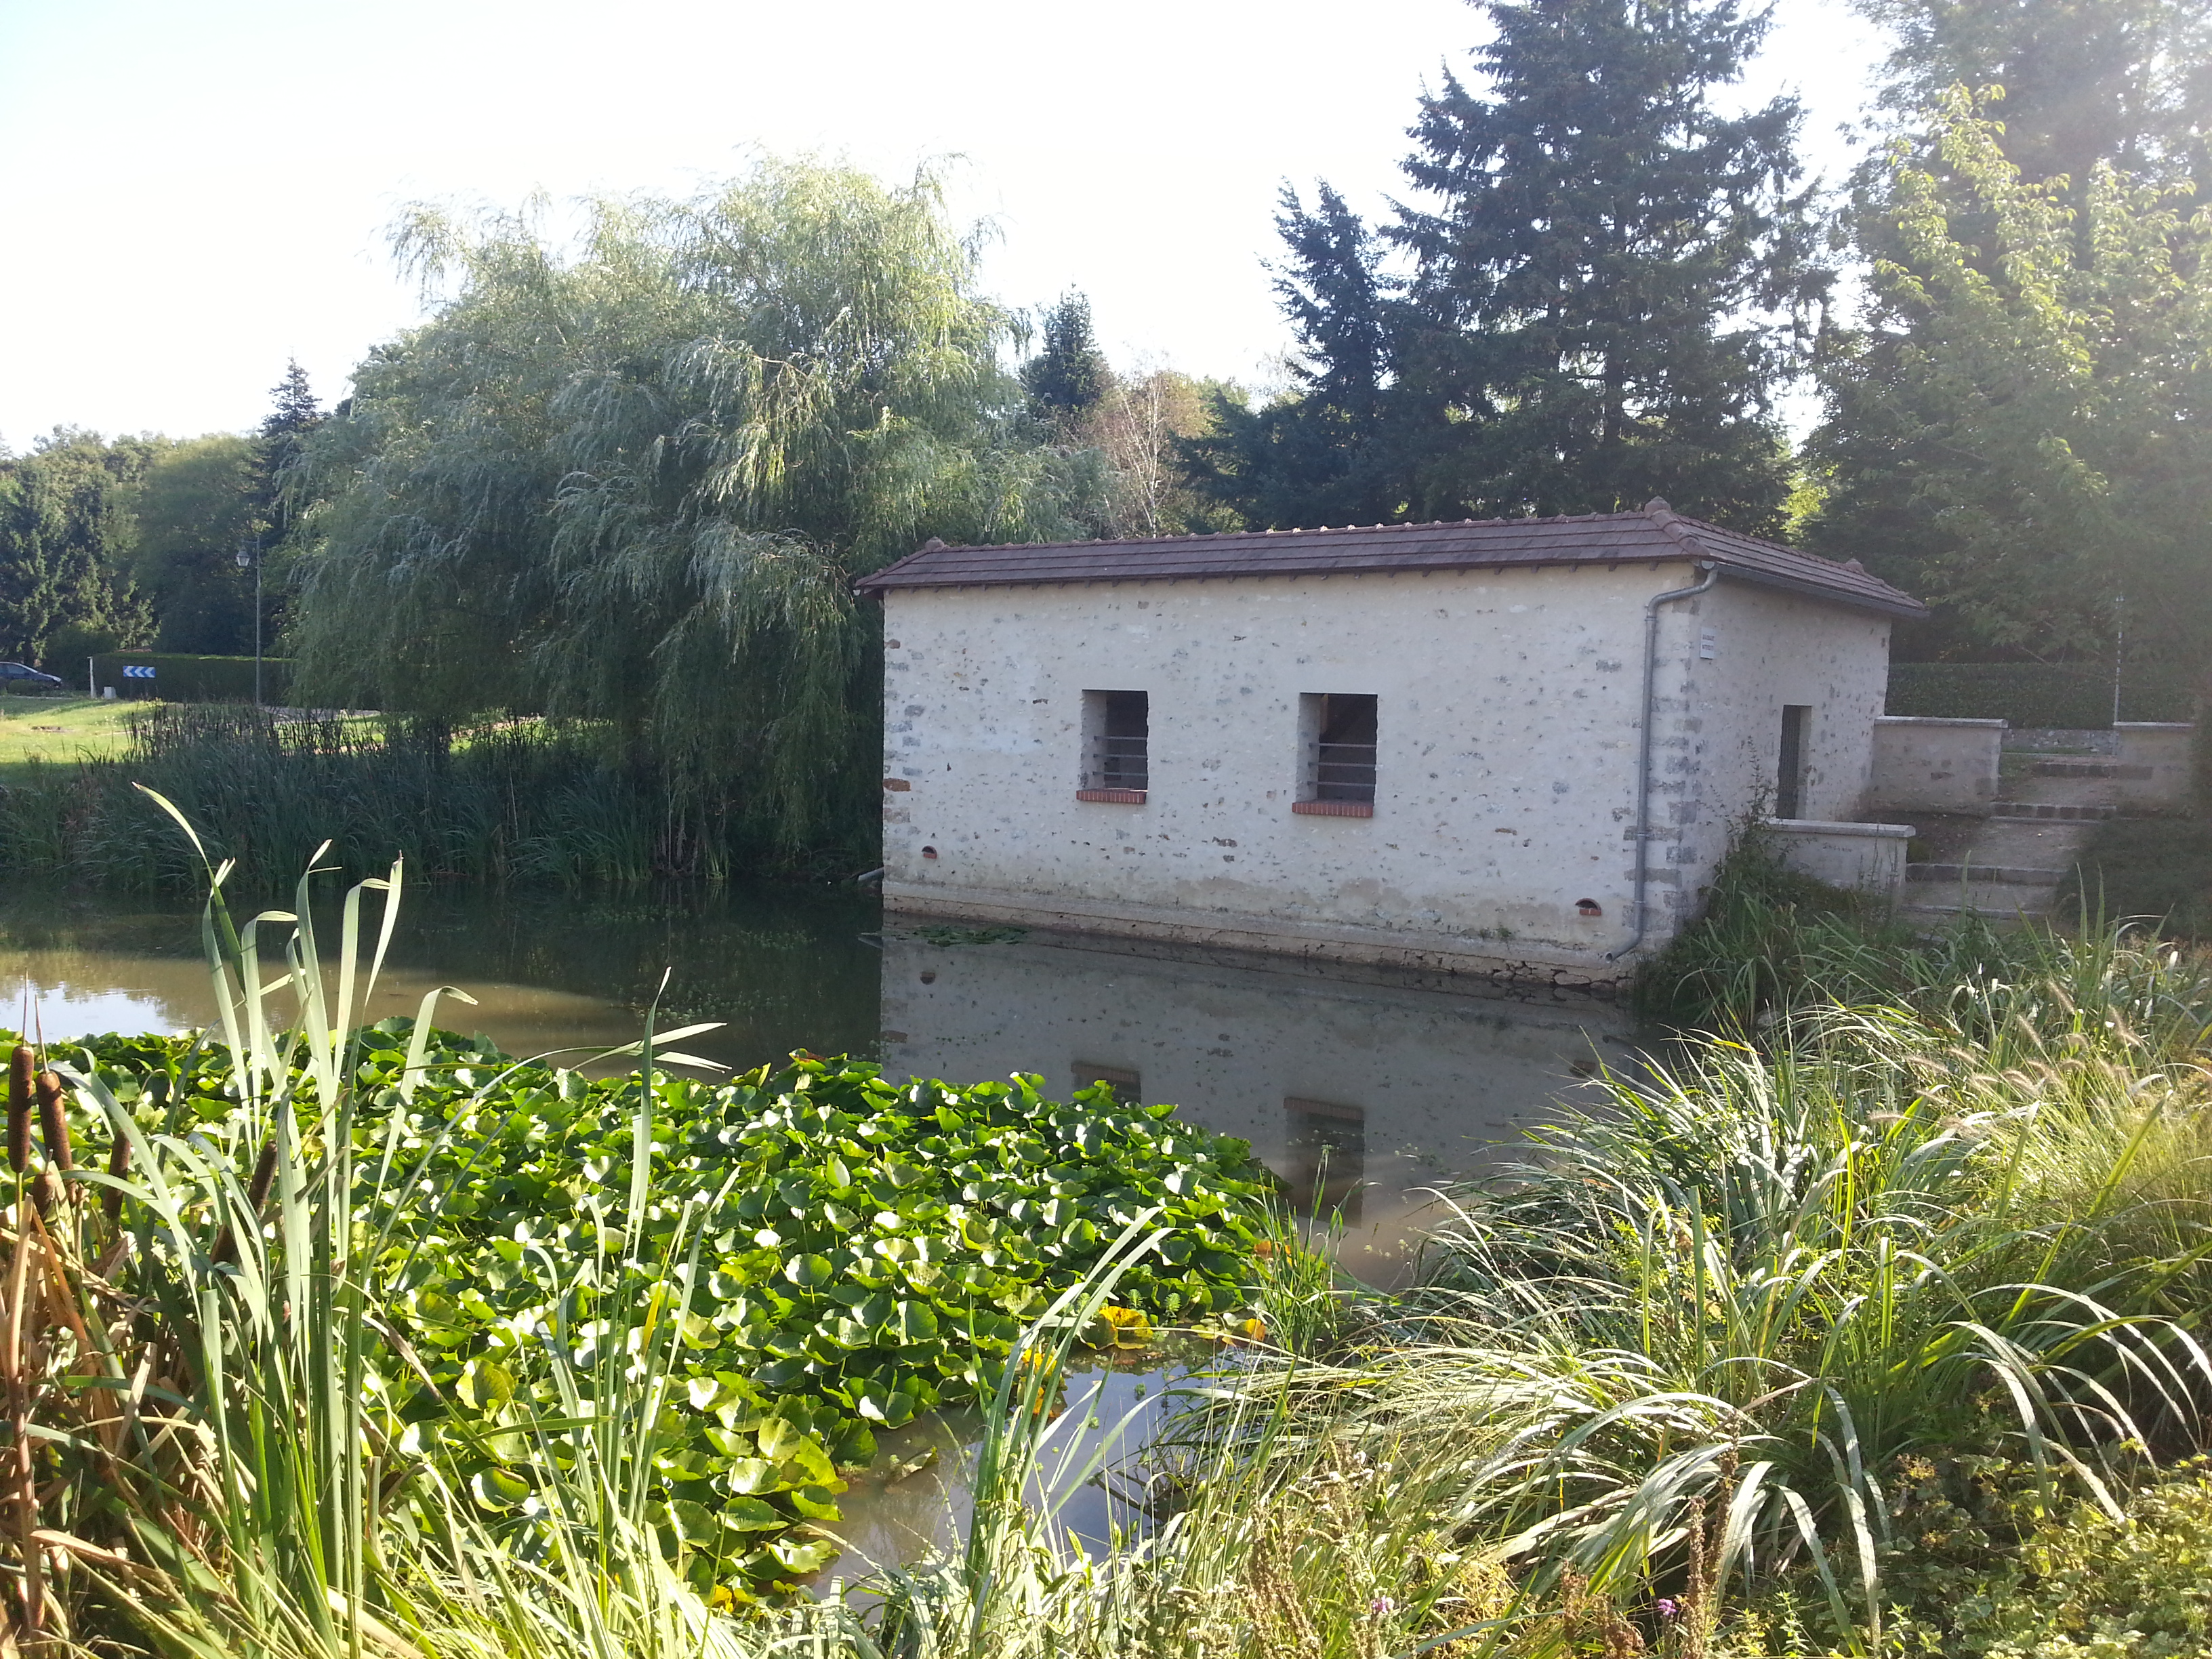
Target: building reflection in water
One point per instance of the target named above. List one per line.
(1361, 1088)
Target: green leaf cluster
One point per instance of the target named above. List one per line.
(2018, 434)
(839, 1254)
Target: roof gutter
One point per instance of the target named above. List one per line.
(1644, 745)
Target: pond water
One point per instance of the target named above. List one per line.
(1363, 1089)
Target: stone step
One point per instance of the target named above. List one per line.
(2007, 906)
(2070, 811)
(2062, 767)
(2011, 875)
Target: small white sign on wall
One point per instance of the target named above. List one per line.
(1707, 644)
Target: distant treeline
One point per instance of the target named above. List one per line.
(627, 479)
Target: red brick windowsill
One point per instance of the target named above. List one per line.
(1113, 797)
(1333, 809)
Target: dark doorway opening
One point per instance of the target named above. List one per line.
(1789, 780)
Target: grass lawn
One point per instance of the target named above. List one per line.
(2149, 867)
(61, 728)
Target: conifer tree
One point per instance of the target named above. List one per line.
(1315, 458)
(1068, 377)
(294, 414)
(1610, 277)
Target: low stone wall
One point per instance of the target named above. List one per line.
(2062, 740)
(1867, 857)
(1925, 765)
(2154, 771)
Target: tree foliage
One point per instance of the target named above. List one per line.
(1608, 278)
(1608, 284)
(65, 531)
(195, 507)
(2020, 434)
(1069, 376)
(633, 483)
(2126, 82)
(1139, 433)
(1316, 457)
(281, 445)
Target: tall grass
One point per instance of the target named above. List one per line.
(198, 1331)
(510, 801)
(1687, 1352)
(1772, 941)
(1689, 1342)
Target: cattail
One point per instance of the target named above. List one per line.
(22, 1068)
(118, 1165)
(257, 1195)
(265, 1173)
(54, 1122)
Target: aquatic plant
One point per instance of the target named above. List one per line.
(836, 1253)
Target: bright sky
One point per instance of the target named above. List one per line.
(200, 191)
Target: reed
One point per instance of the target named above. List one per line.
(204, 1451)
(525, 801)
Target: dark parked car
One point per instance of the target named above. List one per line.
(18, 677)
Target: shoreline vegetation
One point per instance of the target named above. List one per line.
(1869, 1322)
(527, 800)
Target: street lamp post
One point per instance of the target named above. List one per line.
(249, 553)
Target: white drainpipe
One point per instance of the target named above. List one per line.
(1644, 747)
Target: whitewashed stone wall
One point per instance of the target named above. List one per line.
(1509, 710)
(1928, 765)
(1868, 858)
(2155, 761)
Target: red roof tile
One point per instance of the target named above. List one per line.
(1657, 534)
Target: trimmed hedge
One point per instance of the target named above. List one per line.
(2033, 694)
(180, 678)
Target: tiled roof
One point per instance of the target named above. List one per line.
(1656, 533)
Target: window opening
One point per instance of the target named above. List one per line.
(1117, 734)
(1338, 730)
(1128, 1086)
(1790, 782)
(1327, 1155)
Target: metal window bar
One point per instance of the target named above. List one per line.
(1346, 771)
(1121, 762)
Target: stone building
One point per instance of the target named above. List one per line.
(1516, 746)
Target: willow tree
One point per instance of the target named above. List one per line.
(632, 479)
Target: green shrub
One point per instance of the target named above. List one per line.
(1978, 1566)
(2029, 694)
(181, 678)
(521, 800)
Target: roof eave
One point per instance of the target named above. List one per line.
(1903, 607)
